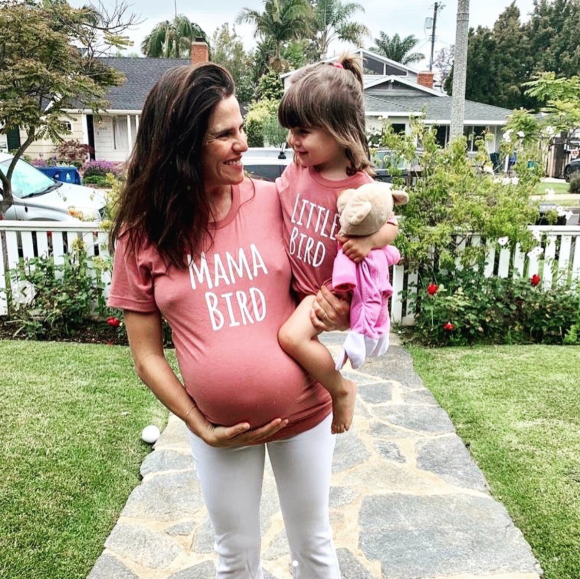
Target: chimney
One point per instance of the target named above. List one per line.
(199, 51)
(425, 78)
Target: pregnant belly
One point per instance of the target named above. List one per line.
(255, 389)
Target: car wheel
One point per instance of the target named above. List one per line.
(567, 171)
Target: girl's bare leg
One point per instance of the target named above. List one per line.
(298, 339)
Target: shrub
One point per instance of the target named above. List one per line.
(42, 162)
(100, 168)
(262, 124)
(99, 180)
(467, 308)
(574, 183)
(73, 152)
(61, 297)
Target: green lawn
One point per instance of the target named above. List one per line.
(559, 188)
(70, 453)
(518, 410)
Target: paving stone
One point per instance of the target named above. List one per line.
(181, 529)
(333, 338)
(449, 458)
(350, 568)
(108, 567)
(205, 570)
(165, 497)
(376, 393)
(361, 376)
(143, 546)
(454, 534)
(389, 451)
(203, 538)
(396, 364)
(418, 418)
(340, 496)
(381, 430)
(349, 452)
(278, 547)
(421, 396)
(174, 434)
(162, 460)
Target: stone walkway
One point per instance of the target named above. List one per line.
(407, 501)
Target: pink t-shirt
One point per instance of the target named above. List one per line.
(311, 223)
(225, 311)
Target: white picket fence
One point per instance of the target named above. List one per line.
(27, 239)
(559, 262)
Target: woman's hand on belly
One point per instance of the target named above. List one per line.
(239, 434)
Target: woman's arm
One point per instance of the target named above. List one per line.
(146, 341)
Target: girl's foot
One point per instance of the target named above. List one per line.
(343, 407)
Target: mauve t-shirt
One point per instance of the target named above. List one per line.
(311, 223)
(225, 310)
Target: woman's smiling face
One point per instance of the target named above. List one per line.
(224, 143)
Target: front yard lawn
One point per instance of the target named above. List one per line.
(558, 188)
(72, 416)
(517, 408)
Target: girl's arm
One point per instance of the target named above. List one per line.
(146, 341)
(357, 248)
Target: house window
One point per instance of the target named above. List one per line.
(67, 126)
(472, 133)
(442, 135)
(399, 128)
(120, 135)
(394, 70)
(373, 66)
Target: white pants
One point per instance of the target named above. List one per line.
(231, 482)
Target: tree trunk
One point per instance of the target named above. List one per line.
(459, 69)
(7, 197)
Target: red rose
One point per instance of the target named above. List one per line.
(115, 322)
(535, 279)
(432, 289)
(448, 327)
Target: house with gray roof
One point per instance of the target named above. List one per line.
(394, 93)
(112, 133)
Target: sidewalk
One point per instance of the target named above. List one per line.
(407, 502)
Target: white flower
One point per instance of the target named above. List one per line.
(503, 240)
(521, 134)
(515, 180)
(550, 192)
(560, 210)
(507, 136)
(488, 169)
(537, 235)
(506, 181)
(536, 252)
(550, 130)
(497, 180)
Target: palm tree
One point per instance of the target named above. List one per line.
(172, 38)
(333, 21)
(397, 49)
(281, 21)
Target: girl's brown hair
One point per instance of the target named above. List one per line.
(330, 96)
(164, 200)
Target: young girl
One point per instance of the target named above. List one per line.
(324, 112)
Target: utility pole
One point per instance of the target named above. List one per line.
(438, 6)
(459, 69)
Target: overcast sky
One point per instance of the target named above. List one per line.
(390, 16)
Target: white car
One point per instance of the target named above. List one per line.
(40, 198)
(266, 163)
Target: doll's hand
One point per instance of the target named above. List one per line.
(357, 248)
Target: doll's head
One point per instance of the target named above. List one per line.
(363, 211)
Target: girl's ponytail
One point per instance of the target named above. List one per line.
(352, 63)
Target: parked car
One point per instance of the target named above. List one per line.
(570, 168)
(38, 197)
(267, 164)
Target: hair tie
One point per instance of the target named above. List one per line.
(337, 65)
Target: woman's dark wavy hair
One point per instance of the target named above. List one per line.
(164, 201)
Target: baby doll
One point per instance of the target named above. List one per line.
(362, 212)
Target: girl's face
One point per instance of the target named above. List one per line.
(315, 147)
(225, 141)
